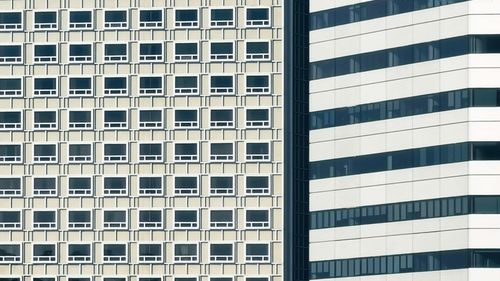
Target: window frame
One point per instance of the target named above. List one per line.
(221, 175)
(259, 90)
(182, 225)
(157, 158)
(51, 126)
(178, 260)
(269, 178)
(17, 193)
(186, 91)
(250, 124)
(213, 259)
(190, 158)
(223, 58)
(51, 59)
(56, 250)
(264, 260)
(115, 92)
(222, 157)
(86, 193)
(77, 92)
(162, 179)
(16, 60)
(157, 58)
(155, 125)
(256, 25)
(157, 25)
(80, 159)
(17, 126)
(231, 24)
(228, 225)
(258, 225)
(51, 226)
(186, 58)
(112, 125)
(17, 159)
(86, 125)
(155, 92)
(17, 26)
(112, 25)
(179, 25)
(121, 192)
(150, 225)
(223, 91)
(52, 159)
(87, 225)
(17, 259)
(258, 157)
(78, 26)
(86, 59)
(85, 261)
(50, 193)
(178, 192)
(178, 124)
(259, 56)
(123, 159)
(121, 259)
(15, 225)
(156, 259)
(46, 26)
(110, 225)
(224, 124)
(109, 58)
(52, 92)
(13, 93)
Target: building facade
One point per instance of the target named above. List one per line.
(141, 140)
(404, 125)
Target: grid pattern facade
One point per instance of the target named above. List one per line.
(141, 140)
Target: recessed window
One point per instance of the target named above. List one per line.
(80, 19)
(79, 253)
(186, 118)
(115, 53)
(10, 220)
(257, 118)
(150, 253)
(115, 119)
(11, 120)
(221, 152)
(80, 153)
(222, 84)
(221, 185)
(221, 279)
(45, 20)
(151, 85)
(45, 53)
(150, 52)
(11, 87)
(114, 253)
(11, 21)
(221, 219)
(187, 18)
(186, 85)
(221, 51)
(115, 219)
(257, 17)
(79, 53)
(186, 185)
(258, 152)
(258, 51)
(185, 52)
(221, 17)
(10, 253)
(258, 84)
(257, 219)
(80, 119)
(256, 253)
(44, 253)
(221, 253)
(79, 279)
(150, 119)
(186, 279)
(186, 152)
(115, 19)
(115, 152)
(150, 219)
(11, 54)
(80, 186)
(79, 219)
(44, 220)
(150, 279)
(151, 18)
(80, 86)
(150, 186)
(186, 253)
(45, 186)
(115, 186)
(114, 279)
(257, 185)
(45, 120)
(150, 152)
(10, 187)
(45, 87)
(115, 86)
(45, 153)
(10, 153)
(185, 219)
(221, 118)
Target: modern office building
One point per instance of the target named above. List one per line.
(143, 141)
(405, 124)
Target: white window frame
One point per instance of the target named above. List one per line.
(226, 24)
(145, 159)
(257, 124)
(212, 278)
(269, 177)
(148, 25)
(121, 259)
(115, 26)
(120, 59)
(81, 159)
(222, 124)
(139, 194)
(17, 26)
(193, 125)
(222, 225)
(86, 59)
(154, 125)
(9, 259)
(87, 225)
(45, 26)
(44, 276)
(81, 26)
(247, 278)
(188, 159)
(87, 193)
(258, 56)
(183, 276)
(12, 226)
(52, 93)
(52, 160)
(150, 225)
(178, 260)
(178, 192)
(186, 225)
(14, 60)
(221, 175)
(187, 58)
(263, 259)
(222, 91)
(255, 23)
(122, 192)
(83, 259)
(81, 92)
(151, 91)
(187, 91)
(258, 225)
(16, 159)
(87, 126)
(89, 277)
(222, 158)
(51, 193)
(16, 126)
(258, 157)
(152, 259)
(51, 126)
(157, 58)
(112, 226)
(118, 125)
(17, 193)
(115, 92)
(221, 259)
(12, 93)
(258, 90)
(191, 24)
(108, 159)
(51, 60)
(41, 226)
(42, 260)
(219, 58)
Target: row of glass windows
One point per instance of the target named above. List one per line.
(85, 86)
(116, 253)
(403, 159)
(78, 53)
(411, 106)
(120, 119)
(47, 278)
(414, 210)
(147, 153)
(371, 10)
(119, 219)
(115, 19)
(433, 50)
(406, 263)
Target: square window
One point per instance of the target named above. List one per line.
(150, 253)
(45, 120)
(186, 185)
(258, 151)
(186, 85)
(258, 51)
(11, 87)
(151, 85)
(221, 253)
(257, 219)
(221, 17)
(257, 118)
(45, 53)
(45, 153)
(79, 253)
(221, 219)
(115, 19)
(115, 53)
(151, 18)
(80, 119)
(80, 53)
(150, 119)
(80, 153)
(150, 219)
(80, 186)
(186, 152)
(257, 17)
(79, 219)
(150, 186)
(222, 152)
(115, 86)
(11, 54)
(44, 220)
(80, 20)
(45, 186)
(80, 86)
(222, 51)
(46, 86)
(186, 18)
(10, 187)
(45, 20)
(10, 153)
(222, 84)
(185, 118)
(11, 21)
(221, 118)
(221, 185)
(44, 253)
(185, 52)
(10, 220)
(150, 52)
(10, 253)
(150, 152)
(257, 253)
(115, 219)
(115, 186)
(114, 253)
(185, 253)
(115, 152)
(258, 185)
(185, 219)
(11, 120)
(258, 84)
(115, 119)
